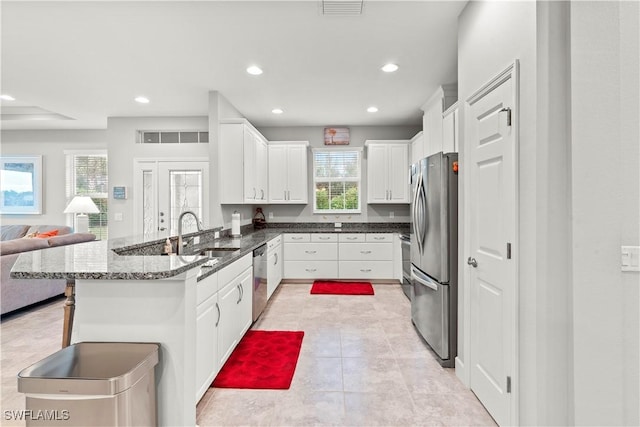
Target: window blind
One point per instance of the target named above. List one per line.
(336, 180)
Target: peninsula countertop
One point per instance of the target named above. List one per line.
(137, 258)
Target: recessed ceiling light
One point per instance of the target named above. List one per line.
(6, 97)
(255, 71)
(372, 109)
(142, 100)
(277, 111)
(389, 68)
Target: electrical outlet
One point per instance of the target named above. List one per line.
(117, 216)
(196, 240)
(270, 215)
(338, 224)
(216, 234)
(392, 215)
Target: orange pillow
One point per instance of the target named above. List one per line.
(46, 234)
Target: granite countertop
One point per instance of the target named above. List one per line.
(135, 258)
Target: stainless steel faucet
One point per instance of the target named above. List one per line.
(179, 249)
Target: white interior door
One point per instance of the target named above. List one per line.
(166, 189)
(492, 191)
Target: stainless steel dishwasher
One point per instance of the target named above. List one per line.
(407, 287)
(259, 280)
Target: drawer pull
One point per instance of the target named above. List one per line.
(365, 270)
(365, 252)
(310, 270)
(296, 238)
(310, 252)
(324, 238)
(378, 238)
(352, 238)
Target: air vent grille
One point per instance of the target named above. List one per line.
(173, 137)
(342, 7)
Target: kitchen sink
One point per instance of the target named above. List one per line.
(217, 252)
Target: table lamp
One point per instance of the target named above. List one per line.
(82, 205)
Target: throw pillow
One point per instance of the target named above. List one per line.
(47, 234)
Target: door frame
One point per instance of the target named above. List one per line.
(512, 71)
(137, 183)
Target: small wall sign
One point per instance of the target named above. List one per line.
(336, 136)
(120, 193)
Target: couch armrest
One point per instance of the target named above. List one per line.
(70, 239)
(22, 245)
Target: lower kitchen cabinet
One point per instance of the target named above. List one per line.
(235, 301)
(274, 265)
(207, 322)
(310, 256)
(366, 256)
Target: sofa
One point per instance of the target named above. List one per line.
(15, 239)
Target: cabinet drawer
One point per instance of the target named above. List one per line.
(366, 269)
(232, 271)
(206, 287)
(311, 269)
(379, 237)
(366, 251)
(324, 237)
(274, 242)
(297, 237)
(352, 237)
(310, 251)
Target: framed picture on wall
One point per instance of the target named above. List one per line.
(21, 185)
(336, 136)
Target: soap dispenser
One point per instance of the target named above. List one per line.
(167, 248)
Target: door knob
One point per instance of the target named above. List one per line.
(472, 262)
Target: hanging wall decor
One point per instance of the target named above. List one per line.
(21, 185)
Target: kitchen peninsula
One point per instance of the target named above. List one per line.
(127, 291)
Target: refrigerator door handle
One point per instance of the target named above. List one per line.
(423, 217)
(416, 217)
(419, 277)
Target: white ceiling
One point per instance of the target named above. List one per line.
(88, 60)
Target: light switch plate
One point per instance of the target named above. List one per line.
(630, 258)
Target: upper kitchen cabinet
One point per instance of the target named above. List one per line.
(450, 129)
(288, 172)
(432, 121)
(417, 147)
(243, 163)
(388, 171)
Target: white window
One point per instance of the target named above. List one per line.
(87, 175)
(336, 179)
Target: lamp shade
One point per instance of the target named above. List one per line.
(81, 204)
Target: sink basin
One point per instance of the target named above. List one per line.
(217, 252)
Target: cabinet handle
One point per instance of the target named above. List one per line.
(262, 194)
(276, 259)
(254, 192)
(352, 238)
(378, 238)
(310, 270)
(296, 238)
(365, 270)
(386, 195)
(288, 194)
(218, 321)
(310, 252)
(324, 238)
(390, 195)
(239, 294)
(285, 194)
(365, 252)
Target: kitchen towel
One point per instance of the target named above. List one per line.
(235, 224)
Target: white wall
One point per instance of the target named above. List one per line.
(606, 200)
(51, 145)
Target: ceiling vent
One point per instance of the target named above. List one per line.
(342, 7)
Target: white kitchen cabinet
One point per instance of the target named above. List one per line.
(417, 147)
(288, 179)
(243, 165)
(274, 265)
(450, 130)
(366, 256)
(235, 303)
(207, 322)
(388, 171)
(432, 121)
(310, 256)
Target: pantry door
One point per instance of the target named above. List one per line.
(491, 153)
(166, 189)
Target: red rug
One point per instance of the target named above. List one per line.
(262, 359)
(342, 288)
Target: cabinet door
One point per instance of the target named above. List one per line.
(261, 170)
(207, 322)
(296, 171)
(249, 166)
(228, 299)
(243, 316)
(398, 173)
(417, 148)
(278, 170)
(434, 130)
(448, 133)
(377, 174)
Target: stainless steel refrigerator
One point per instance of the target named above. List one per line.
(434, 253)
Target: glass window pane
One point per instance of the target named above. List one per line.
(188, 137)
(169, 137)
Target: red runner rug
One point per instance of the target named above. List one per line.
(341, 288)
(262, 359)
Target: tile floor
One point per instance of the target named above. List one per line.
(361, 364)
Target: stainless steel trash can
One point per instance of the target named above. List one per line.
(92, 384)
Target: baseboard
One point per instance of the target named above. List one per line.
(461, 372)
